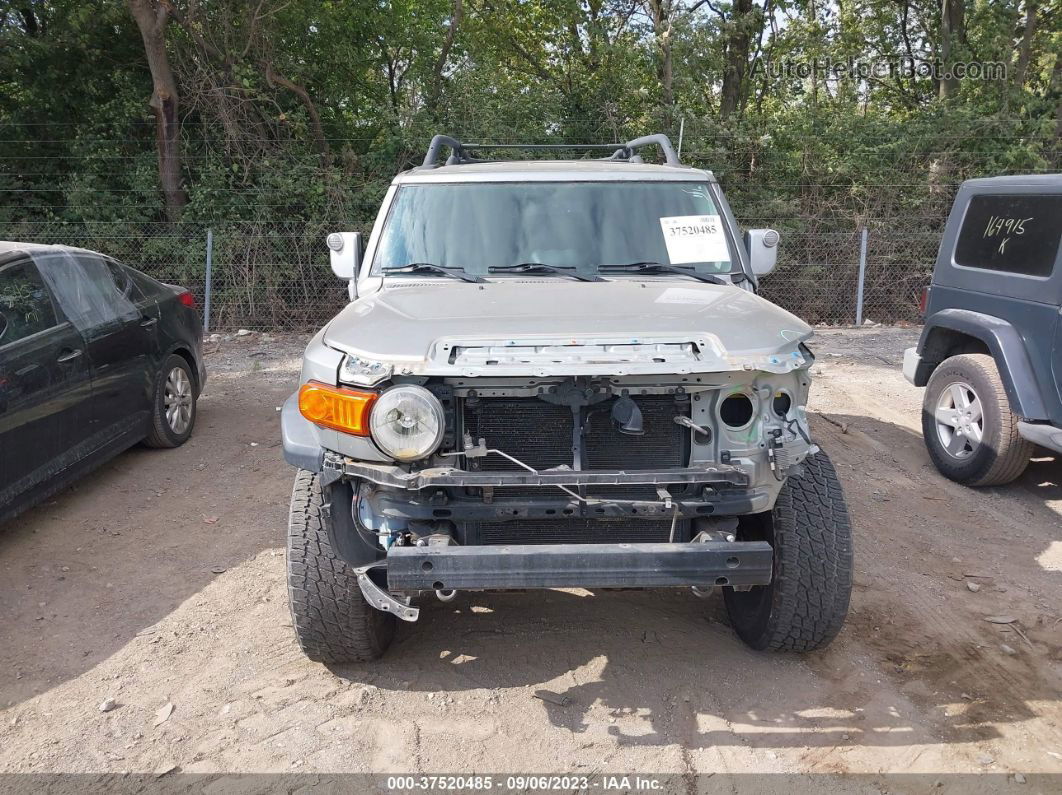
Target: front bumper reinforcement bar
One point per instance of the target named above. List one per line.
(435, 568)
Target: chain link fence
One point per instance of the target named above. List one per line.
(272, 278)
(817, 277)
(262, 277)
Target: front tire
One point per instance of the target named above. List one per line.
(333, 622)
(806, 603)
(970, 431)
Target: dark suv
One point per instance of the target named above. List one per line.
(990, 355)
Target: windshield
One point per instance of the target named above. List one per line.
(582, 225)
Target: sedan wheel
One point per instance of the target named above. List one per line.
(178, 400)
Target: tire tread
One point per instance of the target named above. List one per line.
(813, 564)
(333, 622)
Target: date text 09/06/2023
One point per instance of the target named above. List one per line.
(524, 783)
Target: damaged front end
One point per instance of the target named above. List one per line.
(558, 374)
(594, 481)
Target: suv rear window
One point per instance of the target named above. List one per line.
(1011, 233)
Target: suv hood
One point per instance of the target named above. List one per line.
(559, 327)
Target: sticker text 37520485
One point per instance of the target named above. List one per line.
(694, 238)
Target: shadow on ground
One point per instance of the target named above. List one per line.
(656, 668)
(83, 573)
(916, 664)
(661, 667)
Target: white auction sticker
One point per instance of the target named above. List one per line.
(694, 238)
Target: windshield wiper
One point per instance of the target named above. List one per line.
(541, 267)
(421, 267)
(659, 267)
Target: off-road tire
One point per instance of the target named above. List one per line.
(332, 620)
(160, 434)
(806, 603)
(1003, 453)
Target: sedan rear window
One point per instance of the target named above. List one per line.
(1011, 233)
(85, 287)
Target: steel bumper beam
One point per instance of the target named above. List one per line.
(436, 568)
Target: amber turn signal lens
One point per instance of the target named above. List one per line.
(345, 410)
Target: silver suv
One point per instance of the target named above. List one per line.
(558, 373)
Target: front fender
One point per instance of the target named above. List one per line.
(1006, 346)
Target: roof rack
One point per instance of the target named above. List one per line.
(461, 153)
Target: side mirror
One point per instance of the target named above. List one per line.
(762, 245)
(344, 250)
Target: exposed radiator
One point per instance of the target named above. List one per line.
(540, 434)
(662, 446)
(536, 432)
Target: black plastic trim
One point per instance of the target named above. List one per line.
(1008, 350)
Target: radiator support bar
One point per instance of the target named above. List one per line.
(396, 477)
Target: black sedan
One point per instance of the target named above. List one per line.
(94, 358)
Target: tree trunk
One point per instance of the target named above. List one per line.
(667, 79)
(1025, 49)
(1056, 90)
(29, 21)
(444, 54)
(737, 58)
(151, 18)
(660, 13)
(952, 32)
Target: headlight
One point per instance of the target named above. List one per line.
(363, 372)
(407, 422)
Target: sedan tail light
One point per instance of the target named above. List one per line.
(186, 298)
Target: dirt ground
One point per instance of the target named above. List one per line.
(159, 580)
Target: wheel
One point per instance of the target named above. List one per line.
(806, 603)
(332, 620)
(970, 431)
(173, 415)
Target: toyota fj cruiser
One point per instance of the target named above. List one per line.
(990, 355)
(558, 373)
